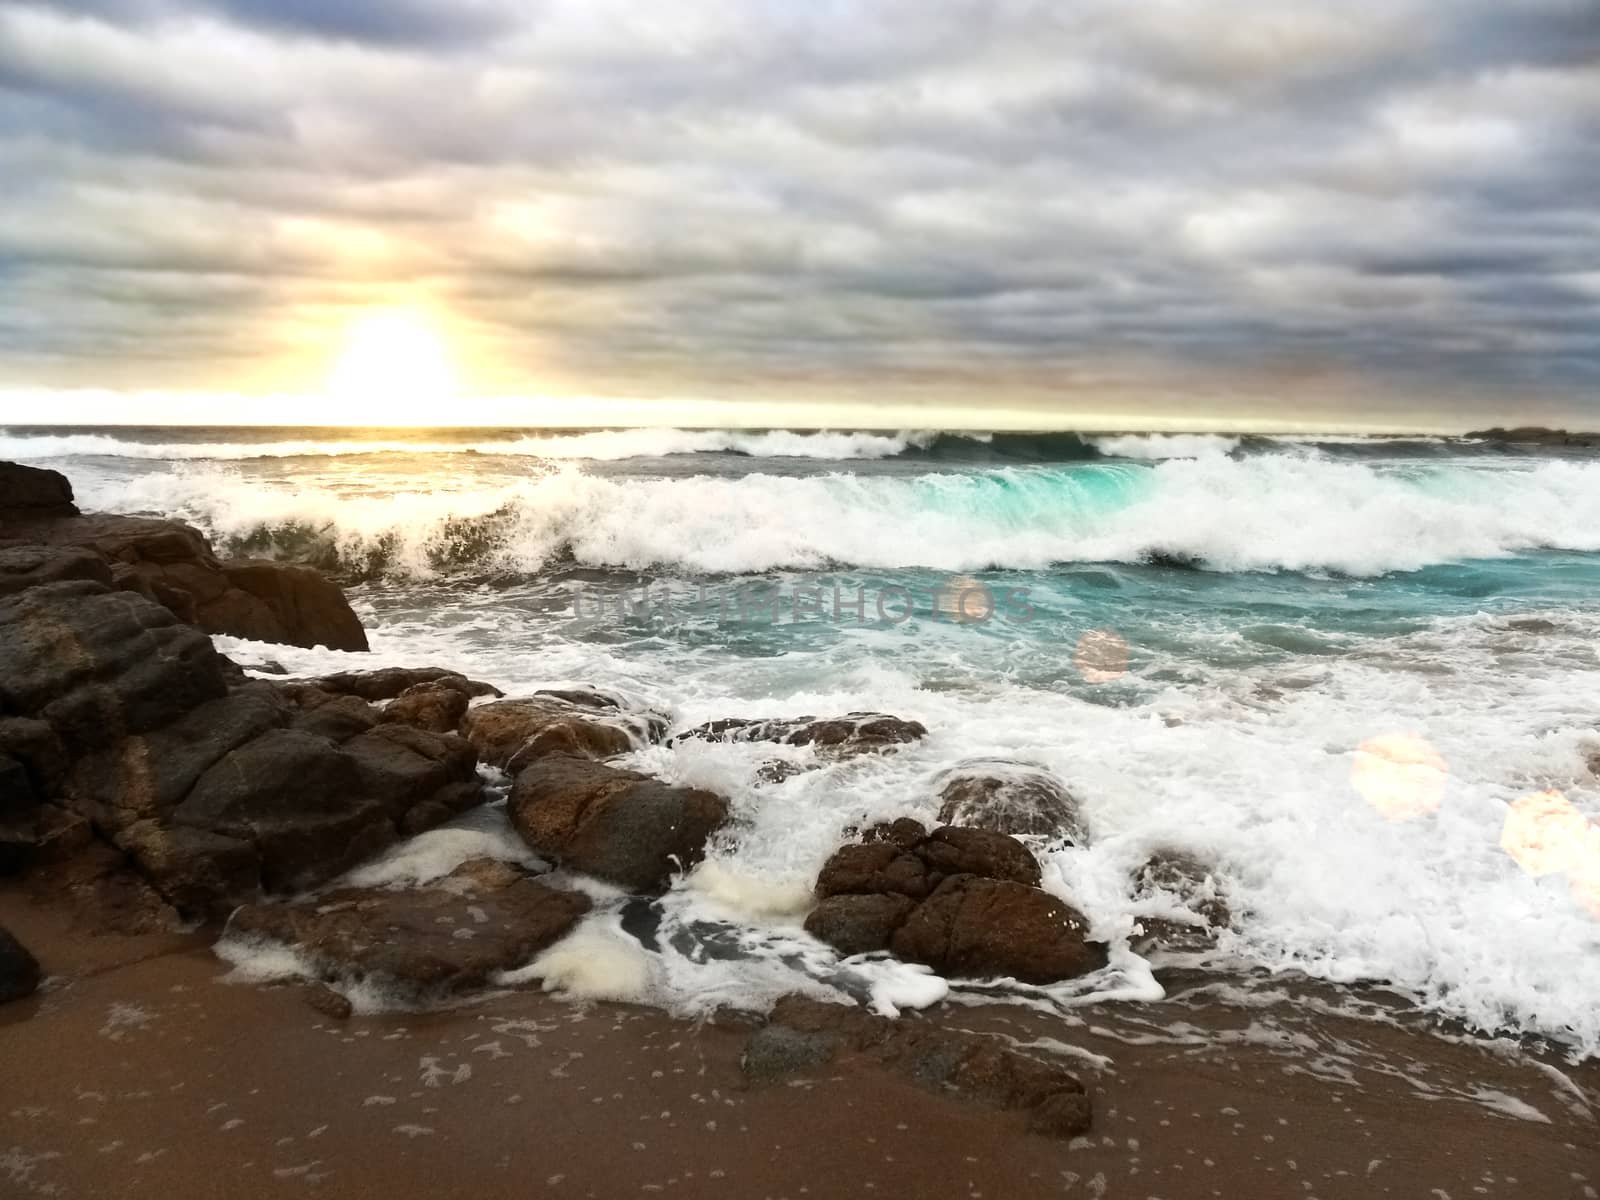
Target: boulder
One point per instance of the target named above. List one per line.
(443, 938)
(513, 733)
(424, 778)
(952, 850)
(803, 1034)
(24, 565)
(846, 736)
(337, 718)
(93, 663)
(171, 563)
(904, 832)
(1010, 797)
(859, 924)
(19, 971)
(874, 869)
(992, 928)
(32, 492)
(437, 706)
(620, 826)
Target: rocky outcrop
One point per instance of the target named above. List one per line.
(31, 492)
(387, 683)
(116, 717)
(446, 937)
(513, 733)
(19, 972)
(963, 901)
(846, 736)
(43, 538)
(619, 826)
(806, 1035)
(1010, 797)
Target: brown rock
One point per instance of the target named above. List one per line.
(803, 1033)
(858, 924)
(988, 928)
(30, 492)
(337, 718)
(902, 831)
(19, 970)
(443, 938)
(620, 826)
(881, 867)
(951, 850)
(437, 706)
(513, 733)
(1010, 797)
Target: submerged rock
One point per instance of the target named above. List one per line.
(987, 928)
(513, 733)
(620, 826)
(1178, 880)
(1010, 797)
(854, 733)
(445, 937)
(803, 1033)
(19, 970)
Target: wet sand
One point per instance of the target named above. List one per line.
(138, 1073)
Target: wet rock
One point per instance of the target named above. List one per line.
(1010, 797)
(171, 563)
(874, 869)
(319, 997)
(437, 706)
(513, 733)
(852, 734)
(1174, 879)
(992, 928)
(424, 778)
(443, 938)
(32, 492)
(25, 566)
(620, 826)
(93, 663)
(335, 717)
(386, 683)
(952, 850)
(778, 770)
(955, 1062)
(19, 971)
(902, 831)
(101, 891)
(777, 1052)
(859, 924)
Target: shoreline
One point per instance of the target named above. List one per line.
(138, 1062)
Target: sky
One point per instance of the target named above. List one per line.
(1093, 213)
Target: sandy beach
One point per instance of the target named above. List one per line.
(138, 1071)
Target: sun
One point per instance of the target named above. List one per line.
(393, 371)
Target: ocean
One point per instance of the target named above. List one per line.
(1356, 676)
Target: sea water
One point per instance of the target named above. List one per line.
(1353, 676)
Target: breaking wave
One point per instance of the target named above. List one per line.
(1257, 513)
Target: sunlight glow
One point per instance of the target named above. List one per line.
(393, 371)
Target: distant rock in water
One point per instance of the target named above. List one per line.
(1536, 435)
(45, 539)
(854, 733)
(1012, 797)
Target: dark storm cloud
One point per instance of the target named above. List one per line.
(714, 191)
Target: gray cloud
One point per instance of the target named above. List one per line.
(733, 197)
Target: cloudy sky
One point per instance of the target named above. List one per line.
(986, 211)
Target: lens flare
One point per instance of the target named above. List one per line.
(1101, 656)
(1400, 775)
(1546, 835)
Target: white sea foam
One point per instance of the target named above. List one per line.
(1165, 445)
(1258, 514)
